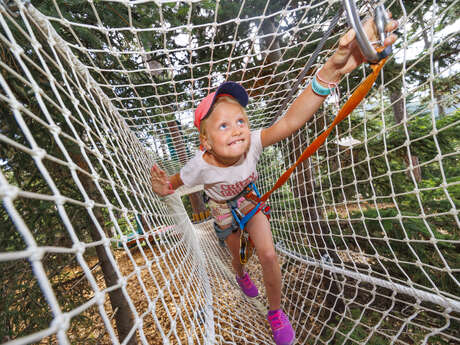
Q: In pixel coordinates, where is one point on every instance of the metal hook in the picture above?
(381, 20)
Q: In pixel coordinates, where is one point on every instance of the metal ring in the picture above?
(365, 45)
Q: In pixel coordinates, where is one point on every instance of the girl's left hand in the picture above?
(348, 55)
(160, 181)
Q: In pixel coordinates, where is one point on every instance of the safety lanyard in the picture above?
(361, 91)
(251, 192)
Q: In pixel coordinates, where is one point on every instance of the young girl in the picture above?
(228, 164)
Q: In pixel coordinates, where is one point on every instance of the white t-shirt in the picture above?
(224, 183)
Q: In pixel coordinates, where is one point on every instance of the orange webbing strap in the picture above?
(356, 98)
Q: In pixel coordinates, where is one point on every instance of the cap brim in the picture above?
(235, 90)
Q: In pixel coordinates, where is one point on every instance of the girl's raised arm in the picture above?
(345, 59)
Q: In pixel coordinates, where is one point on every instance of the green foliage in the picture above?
(187, 205)
(372, 327)
(429, 139)
(384, 234)
(21, 292)
(437, 193)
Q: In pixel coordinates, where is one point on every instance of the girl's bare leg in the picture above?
(233, 244)
(259, 231)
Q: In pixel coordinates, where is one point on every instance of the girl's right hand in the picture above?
(160, 181)
(348, 55)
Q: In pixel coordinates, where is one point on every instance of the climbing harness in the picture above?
(239, 220)
(246, 244)
(242, 219)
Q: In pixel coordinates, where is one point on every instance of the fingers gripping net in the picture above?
(94, 93)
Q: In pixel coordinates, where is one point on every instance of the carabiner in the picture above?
(246, 247)
(381, 20)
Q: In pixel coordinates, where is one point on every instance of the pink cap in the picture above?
(229, 88)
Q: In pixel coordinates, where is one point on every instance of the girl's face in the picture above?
(227, 135)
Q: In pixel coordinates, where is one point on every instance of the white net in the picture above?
(92, 93)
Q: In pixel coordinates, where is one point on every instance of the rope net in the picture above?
(93, 93)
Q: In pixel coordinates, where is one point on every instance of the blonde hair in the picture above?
(219, 100)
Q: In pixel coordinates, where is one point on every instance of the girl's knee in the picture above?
(268, 257)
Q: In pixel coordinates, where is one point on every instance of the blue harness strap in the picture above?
(242, 219)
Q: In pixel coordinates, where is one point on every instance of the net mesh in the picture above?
(93, 93)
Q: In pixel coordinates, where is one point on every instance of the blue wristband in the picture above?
(319, 89)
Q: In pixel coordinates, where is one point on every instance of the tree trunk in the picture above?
(270, 41)
(304, 188)
(427, 43)
(177, 140)
(437, 95)
(123, 317)
(304, 192)
(398, 106)
(269, 75)
(421, 22)
(198, 206)
(399, 115)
